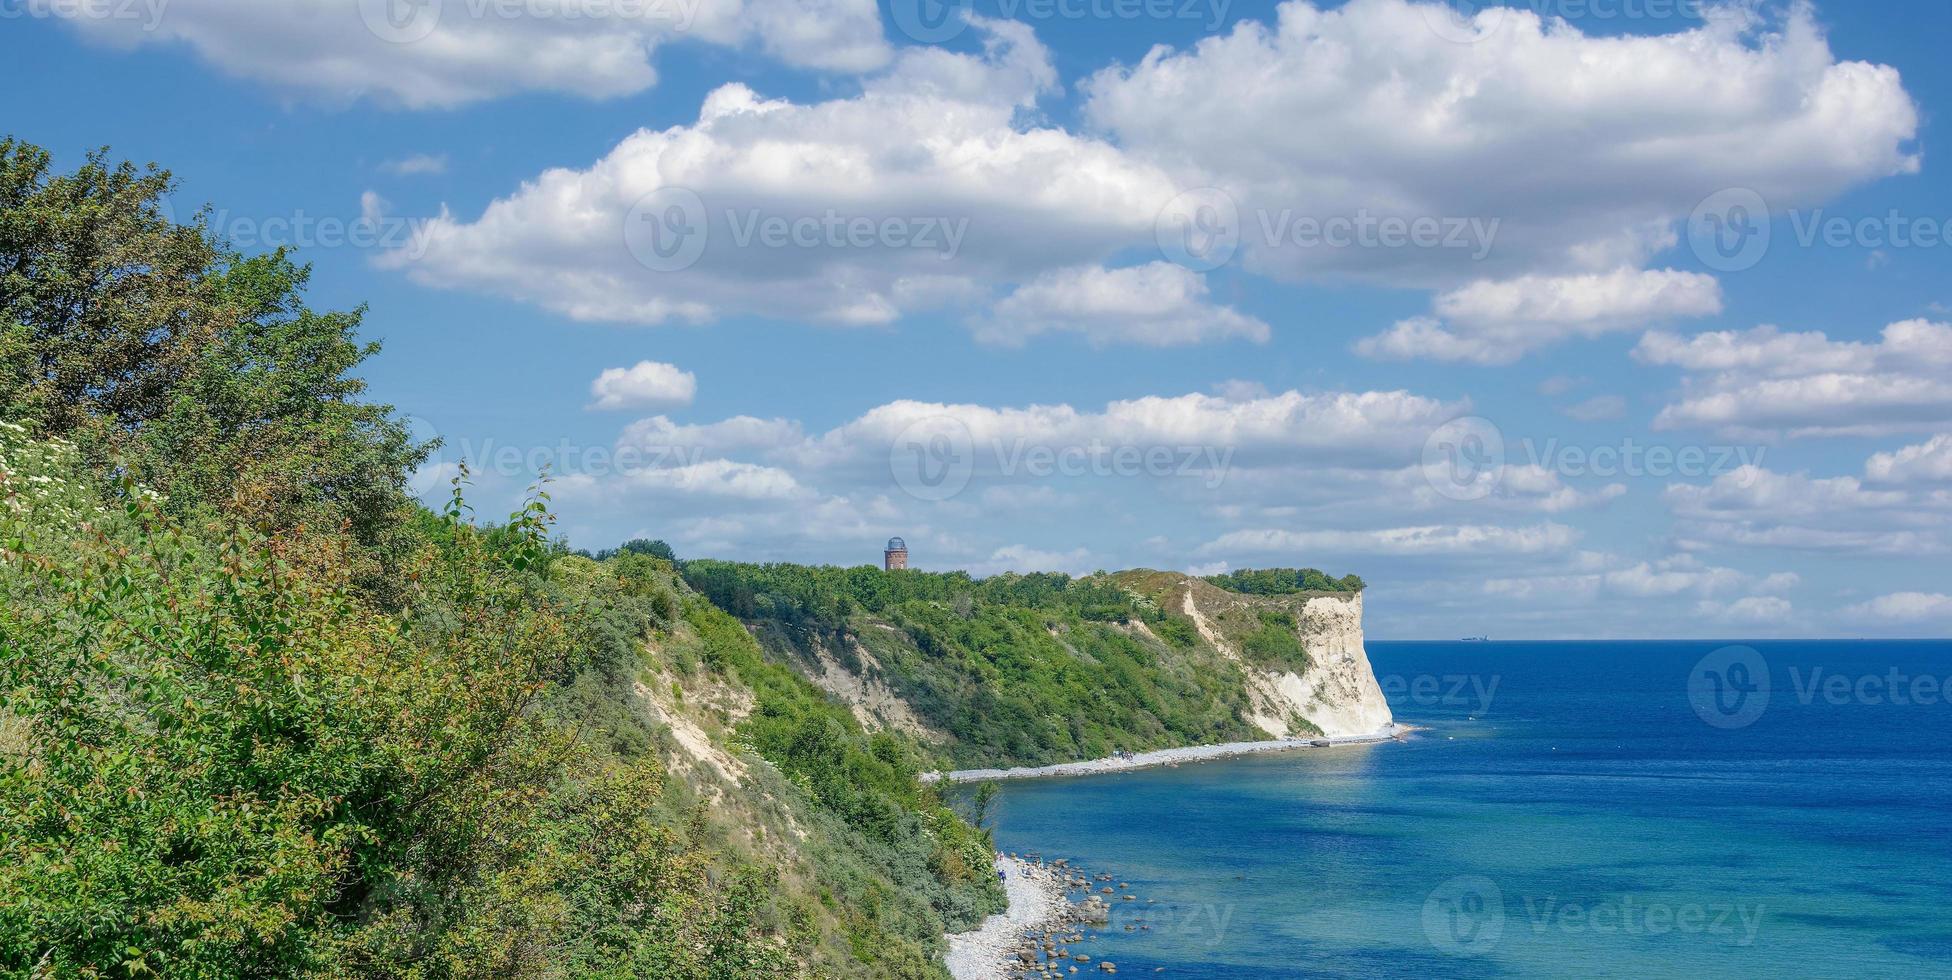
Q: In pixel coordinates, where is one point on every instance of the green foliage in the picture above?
(262, 716)
(1276, 643)
(169, 358)
(639, 546)
(1284, 581)
(102, 299)
(1179, 632)
(982, 800)
(223, 761)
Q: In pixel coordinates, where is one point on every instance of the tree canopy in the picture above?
(169, 358)
(1284, 581)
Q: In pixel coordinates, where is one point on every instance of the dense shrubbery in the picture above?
(261, 715)
(222, 760)
(1018, 668)
(1284, 581)
(1275, 643)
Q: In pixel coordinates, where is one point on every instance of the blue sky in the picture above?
(979, 321)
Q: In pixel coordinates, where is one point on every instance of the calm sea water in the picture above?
(1571, 811)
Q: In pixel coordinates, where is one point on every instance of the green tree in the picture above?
(639, 546)
(983, 799)
(172, 359)
(103, 300)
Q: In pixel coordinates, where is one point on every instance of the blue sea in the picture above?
(1573, 809)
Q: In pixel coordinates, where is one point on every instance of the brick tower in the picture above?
(896, 556)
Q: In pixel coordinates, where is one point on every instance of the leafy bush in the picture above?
(222, 760)
(1179, 632)
(1276, 643)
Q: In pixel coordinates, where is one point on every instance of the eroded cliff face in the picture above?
(1336, 694)
(1022, 675)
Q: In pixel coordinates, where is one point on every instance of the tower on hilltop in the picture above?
(896, 556)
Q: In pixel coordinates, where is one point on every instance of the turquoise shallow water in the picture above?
(1568, 813)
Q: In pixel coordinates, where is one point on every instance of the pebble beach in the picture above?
(1166, 757)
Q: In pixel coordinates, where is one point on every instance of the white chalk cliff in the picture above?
(1337, 694)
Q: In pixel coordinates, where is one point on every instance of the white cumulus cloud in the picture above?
(1906, 607)
(1928, 462)
(445, 54)
(1766, 382)
(917, 192)
(1156, 305)
(643, 384)
(1364, 111)
(1388, 134)
(1754, 507)
(1468, 539)
(1498, 321)
(1757, 609)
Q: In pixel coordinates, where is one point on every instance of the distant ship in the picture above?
(1474, 639)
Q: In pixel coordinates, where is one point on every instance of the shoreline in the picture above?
(1037, 904)
(1166, 757)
